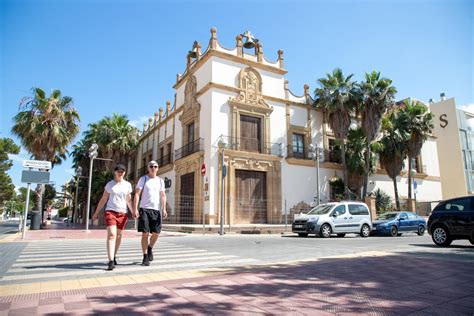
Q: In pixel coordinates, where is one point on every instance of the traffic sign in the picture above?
(37, 164)
(203, 169)
(33, 176)
(415, 185)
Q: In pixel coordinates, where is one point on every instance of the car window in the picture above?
(458, 205)
(403, 215)
(339, 210)
(388, 216)
(358, 209)
(321, 209)
(411, 216)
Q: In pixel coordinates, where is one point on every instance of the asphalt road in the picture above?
(8, 226)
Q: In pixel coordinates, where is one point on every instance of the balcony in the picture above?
(252, 145)
(189, 149)
(165, 160)
(333, 155)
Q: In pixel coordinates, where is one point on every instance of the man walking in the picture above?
(150, 195)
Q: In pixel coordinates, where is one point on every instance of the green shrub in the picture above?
(383, 201)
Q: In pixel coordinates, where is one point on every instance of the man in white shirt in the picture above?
(150, 195)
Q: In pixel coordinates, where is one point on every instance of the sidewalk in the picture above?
(387, 284)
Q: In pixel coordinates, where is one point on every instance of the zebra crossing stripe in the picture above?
(120, 270)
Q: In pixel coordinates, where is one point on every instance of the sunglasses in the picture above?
(120, 171)
(153, 167)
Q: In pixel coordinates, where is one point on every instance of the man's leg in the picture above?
(145, 242)
(111, 239)
(153, 239)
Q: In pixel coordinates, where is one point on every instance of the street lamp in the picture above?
(222, 145)
(92, 155)
(314, 153)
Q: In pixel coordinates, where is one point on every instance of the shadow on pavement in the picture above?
(394, 284)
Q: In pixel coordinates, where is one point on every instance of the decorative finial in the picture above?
(161, 112)
(280, 57)
(286, 84)
(156, 117)
(213, 40)
(306, 89)
(259, 51)
(239, 45)
(168, 106)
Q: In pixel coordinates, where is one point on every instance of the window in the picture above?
(190, 134)
(411, 216)
(403, 216)
(334, 151)
(358, 209)
(298, 145)
(339, 210)
(458, 205)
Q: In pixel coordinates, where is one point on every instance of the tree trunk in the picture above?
(344, 171)
(395, 190)
(39, 200)
(409, 177)
(366, 171)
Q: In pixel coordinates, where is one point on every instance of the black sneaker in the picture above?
(150, 254)
(146, 261)
(111, 265)
(115, 261)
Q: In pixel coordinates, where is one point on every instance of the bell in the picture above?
(249, 43)
(192, 54)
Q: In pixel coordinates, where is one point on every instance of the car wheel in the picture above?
(325, 231)
(394, 231)
(341, 235)
(421, 231)
(441, 236)
(365, 231)
(303, 234)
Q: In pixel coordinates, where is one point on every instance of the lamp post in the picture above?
(414, 185)
(314, 154)
(92, 155)
(222, 144)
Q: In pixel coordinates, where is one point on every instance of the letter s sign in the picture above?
(444, 121)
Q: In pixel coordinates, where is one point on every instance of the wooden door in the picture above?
(251, 197)
(186, 205)
(250, 134)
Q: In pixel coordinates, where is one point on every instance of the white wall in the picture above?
(206, 125)
(278, 132)
(427, 190)
(429, 157)
(298, 116)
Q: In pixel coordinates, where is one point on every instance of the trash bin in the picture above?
(35, 221)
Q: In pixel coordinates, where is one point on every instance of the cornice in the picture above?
(198, 64)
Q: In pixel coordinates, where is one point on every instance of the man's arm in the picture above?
(163, 204)
(136, 200)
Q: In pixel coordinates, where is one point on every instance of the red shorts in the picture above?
(113, 218)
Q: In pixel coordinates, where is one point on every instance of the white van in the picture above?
(334, 218)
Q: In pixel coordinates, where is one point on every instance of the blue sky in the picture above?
(123, 56)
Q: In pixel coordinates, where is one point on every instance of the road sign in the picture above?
(203, 169)
(37, 164)
(33, 176)
(415, 185)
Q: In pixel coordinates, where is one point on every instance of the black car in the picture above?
(452, 219)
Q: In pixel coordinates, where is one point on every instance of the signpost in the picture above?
(32, 176)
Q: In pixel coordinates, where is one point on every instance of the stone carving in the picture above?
(251, 88)
(190, 90)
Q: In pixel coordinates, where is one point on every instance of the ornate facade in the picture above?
(234, 114)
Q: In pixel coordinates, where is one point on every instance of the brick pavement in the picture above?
(398, 284)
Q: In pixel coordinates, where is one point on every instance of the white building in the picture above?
(239, 101)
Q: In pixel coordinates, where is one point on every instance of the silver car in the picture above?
(334, 218)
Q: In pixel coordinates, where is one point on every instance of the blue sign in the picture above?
(415, 185)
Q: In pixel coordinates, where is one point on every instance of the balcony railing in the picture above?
(189, 149)
(165, 160)
(333, 155)
(252, 145)
(293, 153)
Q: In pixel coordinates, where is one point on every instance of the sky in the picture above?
(123, 56)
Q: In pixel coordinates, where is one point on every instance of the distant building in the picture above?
(454, 129)
(236, 103)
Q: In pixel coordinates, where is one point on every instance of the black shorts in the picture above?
(149, 221)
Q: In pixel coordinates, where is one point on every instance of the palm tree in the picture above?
(377, 95)
(391, 148)
(355, 159)
(418, 122)
(46, 126)
(337, 98)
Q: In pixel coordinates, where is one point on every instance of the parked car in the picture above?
(334, 218)
(452, 219)
(396, 223)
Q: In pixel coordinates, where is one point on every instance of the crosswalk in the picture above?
(75, 259)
